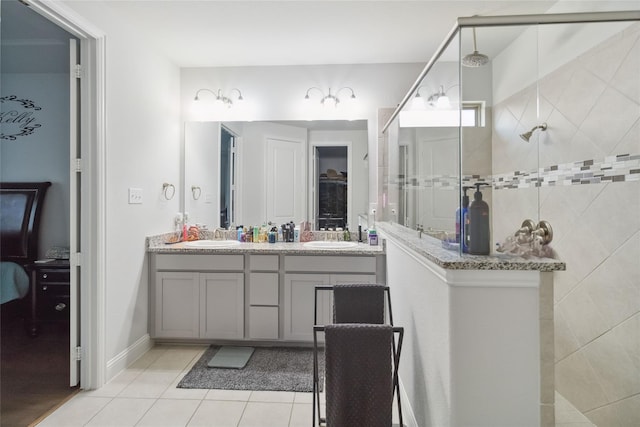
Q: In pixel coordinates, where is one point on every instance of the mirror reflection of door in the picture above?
(332, 188)
(227, 177)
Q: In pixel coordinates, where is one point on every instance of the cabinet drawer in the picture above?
(52, 289)
(263, 323)
(263, 262)
(191, 262)
(53, 275)
(330, 264)
(53, 308)
(263, 289)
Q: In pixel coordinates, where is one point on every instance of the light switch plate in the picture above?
(135, 196)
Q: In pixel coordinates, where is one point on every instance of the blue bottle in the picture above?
(462, 220)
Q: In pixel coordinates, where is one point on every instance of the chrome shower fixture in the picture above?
(475, 59)
(527, 135)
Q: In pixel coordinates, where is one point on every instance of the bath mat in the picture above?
(231, 357)
(269, 368)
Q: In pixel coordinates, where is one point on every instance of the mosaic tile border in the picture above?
(618, 168)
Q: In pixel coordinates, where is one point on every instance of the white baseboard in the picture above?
(408, 417)
(128, 356)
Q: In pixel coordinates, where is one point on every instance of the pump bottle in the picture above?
(462, 227)
(478, 215)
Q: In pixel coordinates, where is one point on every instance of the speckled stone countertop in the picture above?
(156, 244)
(433, 250)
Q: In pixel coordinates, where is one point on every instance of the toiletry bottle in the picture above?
(463, 217)
(359, 233)
(478, 214)
(347, 235)
(239, 231)
(373, 237)
(296, 234)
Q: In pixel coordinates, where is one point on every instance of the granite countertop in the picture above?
(433, 250)
(156, 244)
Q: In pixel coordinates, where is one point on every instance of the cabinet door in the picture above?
(222, 305)
(299, 297)
(177, 305)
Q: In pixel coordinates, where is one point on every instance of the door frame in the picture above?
(93, 187)
(313, 178)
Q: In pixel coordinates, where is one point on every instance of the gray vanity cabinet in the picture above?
(197, 296)
(303, 274)
(177, 305)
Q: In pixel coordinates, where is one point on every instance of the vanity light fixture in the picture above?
(330, 100)
(527, 135)
(440, 100)
(220, 98)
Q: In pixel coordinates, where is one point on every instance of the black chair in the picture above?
(361, 373)
(358, 303)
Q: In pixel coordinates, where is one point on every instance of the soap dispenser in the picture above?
(478, 215)
(462, 222)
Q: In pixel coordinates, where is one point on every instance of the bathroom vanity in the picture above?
(249, 292)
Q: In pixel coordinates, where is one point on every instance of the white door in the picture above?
(75, 199)
(285, 180)
(437, 172)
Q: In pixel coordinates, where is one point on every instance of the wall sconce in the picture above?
(330, 100)
(439, 100)
(220, 98)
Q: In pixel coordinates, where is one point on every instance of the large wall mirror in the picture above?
(251, 173)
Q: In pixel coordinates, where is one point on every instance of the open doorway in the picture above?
(36, 67)
(332, 177)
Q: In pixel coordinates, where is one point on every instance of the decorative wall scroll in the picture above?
(18, 117)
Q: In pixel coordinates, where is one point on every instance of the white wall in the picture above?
(143, 151)
(43, 155)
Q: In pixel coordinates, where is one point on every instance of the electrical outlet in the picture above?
(135, 196)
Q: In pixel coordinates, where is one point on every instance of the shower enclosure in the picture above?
(550, 121)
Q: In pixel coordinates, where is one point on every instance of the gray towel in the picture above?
(358, 303)
(358, 373)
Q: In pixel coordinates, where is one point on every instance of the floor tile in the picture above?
(169, 412)
(237, 395)
(303, 398)
(76, 412)
(117, 384)
(173, 392)
(121, 412)
(150, 384)
(216, 413)
(260, 414)
(272, 396)
(301, 415)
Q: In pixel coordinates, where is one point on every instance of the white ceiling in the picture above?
(210, 33)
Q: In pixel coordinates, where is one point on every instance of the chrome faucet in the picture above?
(420, 229)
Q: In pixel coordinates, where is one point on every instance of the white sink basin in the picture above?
(320, 244)
(212, 243)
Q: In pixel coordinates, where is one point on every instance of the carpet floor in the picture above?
(34, 371)
(269, 368)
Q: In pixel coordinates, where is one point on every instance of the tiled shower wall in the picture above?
(586, 185)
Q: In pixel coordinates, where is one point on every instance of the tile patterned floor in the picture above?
(145, 394)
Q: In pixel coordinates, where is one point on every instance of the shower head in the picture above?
(475, 59)
(527, 135)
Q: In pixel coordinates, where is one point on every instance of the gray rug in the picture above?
(270, 368)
